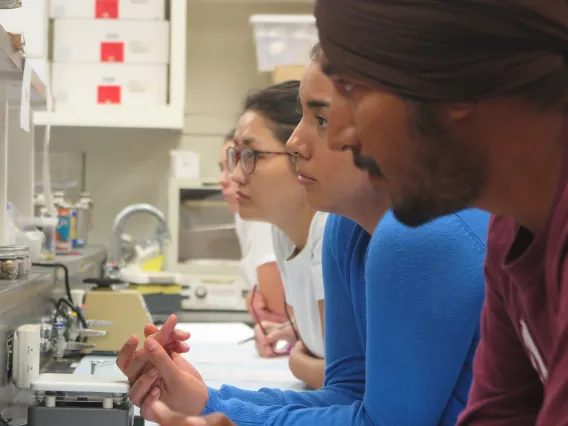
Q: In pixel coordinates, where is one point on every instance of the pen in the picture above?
(280, 327)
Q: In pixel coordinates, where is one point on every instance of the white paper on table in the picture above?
(237, 373)
(215, 353)
(252, 373)
(216, 332)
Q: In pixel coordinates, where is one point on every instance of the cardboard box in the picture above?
(120, 84)
(96, 41)
(16, 40)
(31, 24)
(153, 10)
(287, 72)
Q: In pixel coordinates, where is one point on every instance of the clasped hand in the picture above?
(157, 372)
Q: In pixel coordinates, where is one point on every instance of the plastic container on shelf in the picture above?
(283, 40)
(48, 226)
(34, 239)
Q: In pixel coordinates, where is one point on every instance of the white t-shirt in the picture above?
(257, 248)
(302, 277)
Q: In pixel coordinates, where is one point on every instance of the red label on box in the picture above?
(109, 94)
(112, 51)
(106, 9)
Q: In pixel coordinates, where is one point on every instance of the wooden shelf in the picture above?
(12, 63)
(115, 116)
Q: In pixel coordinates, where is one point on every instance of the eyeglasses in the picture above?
(247, 157)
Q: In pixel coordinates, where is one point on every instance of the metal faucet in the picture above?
(125, 214)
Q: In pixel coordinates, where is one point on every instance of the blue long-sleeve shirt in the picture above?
(419, 294)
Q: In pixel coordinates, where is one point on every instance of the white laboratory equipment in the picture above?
(204, 247)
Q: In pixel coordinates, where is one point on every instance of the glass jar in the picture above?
(24, 261)
(8, 263)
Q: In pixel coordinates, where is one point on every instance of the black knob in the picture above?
(139, 421)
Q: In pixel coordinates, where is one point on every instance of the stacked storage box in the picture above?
(110, 52)
(31, 22)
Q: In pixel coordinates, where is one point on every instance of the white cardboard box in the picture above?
(120, 84)
(109, 9)
(95, 41)
(32, 21)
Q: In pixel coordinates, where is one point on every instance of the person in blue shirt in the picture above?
(402, 308)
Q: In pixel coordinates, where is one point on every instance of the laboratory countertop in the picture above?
(214, 341)
(42, 279)
(82, 261)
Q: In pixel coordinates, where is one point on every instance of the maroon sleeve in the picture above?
(555, 408)
(506, 390)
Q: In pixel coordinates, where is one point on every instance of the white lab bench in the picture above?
(215, 352)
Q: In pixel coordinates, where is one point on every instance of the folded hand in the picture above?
(129, 360)
(171, 379)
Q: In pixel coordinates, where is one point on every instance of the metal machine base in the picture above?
(80, 414)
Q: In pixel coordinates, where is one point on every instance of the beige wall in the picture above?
(131, 166)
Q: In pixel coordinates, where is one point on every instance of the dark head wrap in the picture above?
(446, 50)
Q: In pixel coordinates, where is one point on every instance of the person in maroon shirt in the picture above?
(457, 104)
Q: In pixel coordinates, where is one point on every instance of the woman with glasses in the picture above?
(265, 301)
(268, 190)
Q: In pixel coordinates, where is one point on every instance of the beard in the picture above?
(447, 174)
(416, 211)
